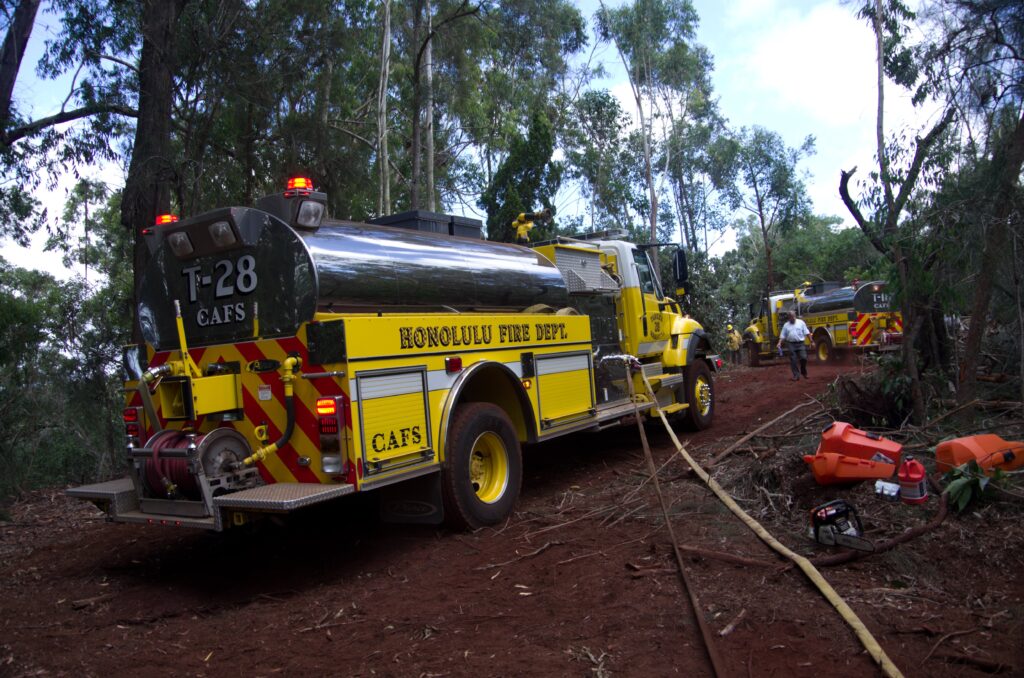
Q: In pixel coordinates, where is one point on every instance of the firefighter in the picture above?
(734, 344)
(794, 333)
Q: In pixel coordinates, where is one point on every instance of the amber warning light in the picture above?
(300, 182)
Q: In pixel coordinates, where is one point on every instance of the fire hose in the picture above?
(869, 642)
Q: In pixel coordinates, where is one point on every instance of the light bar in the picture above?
(164, 219)
(300, 182)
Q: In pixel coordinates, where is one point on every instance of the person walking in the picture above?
(734, 344)
(794, 333)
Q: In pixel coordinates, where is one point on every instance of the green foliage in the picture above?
(967, 484)
(524, 182)
(60, 391)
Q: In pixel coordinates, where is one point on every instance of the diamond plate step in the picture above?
(282, 496)
(120, 493)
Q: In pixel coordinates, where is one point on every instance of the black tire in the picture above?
(483, 468)
(824, 350)
(753, 353)
(699, 395)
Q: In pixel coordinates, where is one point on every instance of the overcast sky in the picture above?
(799, 67)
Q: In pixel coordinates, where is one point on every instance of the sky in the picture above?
(798, 67)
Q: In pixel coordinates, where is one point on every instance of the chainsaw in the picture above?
(837, 524)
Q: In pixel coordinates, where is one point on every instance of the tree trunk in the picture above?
(428, 108)
(384, 173)
(417, 108)
(147, 186)
(18, 33)
(995, 239)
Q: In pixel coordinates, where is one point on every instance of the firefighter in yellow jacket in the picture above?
(734, 344)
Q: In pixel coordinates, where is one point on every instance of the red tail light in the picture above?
(327, 411)
(326, 406)
(133, 430)
(130, 414)
(853, 329)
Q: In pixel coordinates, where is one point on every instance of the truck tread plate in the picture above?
(603, 414)
(120, 492)
(282, 496)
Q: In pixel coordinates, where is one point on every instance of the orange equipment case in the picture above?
(989, 450)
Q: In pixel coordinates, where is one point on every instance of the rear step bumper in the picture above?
(120, 500)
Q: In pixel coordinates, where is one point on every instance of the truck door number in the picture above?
(227, 280)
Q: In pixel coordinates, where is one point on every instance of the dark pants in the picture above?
(797, 358)
(735, 356)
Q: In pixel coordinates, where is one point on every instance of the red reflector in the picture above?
(718, 362)
(165, 219)
(326, 406)
(130, 414)
(132, 429)
(300, 182)
(453, 364)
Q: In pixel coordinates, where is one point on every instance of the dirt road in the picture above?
(580, 581)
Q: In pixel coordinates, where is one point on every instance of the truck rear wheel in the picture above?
(826, 353)
(483, 470)
(700, 396)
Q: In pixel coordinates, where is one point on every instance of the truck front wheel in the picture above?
(484, 467)
(700, 396)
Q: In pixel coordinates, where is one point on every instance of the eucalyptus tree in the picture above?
(667, 72)
(771, 187)
(599, 155)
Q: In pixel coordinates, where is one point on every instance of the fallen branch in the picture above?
(531, 554)
(731, 626)
(951, 634)
(724, 453)
(983, 664)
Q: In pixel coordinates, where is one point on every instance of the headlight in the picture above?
(180, 244)
(310, 214)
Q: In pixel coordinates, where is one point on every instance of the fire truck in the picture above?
(843, 319)
(291, 359)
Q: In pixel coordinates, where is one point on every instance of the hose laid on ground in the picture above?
(845, 611)
(709, 645)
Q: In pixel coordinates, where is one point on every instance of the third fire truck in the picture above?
(843, 319)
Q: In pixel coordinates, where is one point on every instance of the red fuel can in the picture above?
(913, 484)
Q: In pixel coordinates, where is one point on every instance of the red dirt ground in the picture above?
(579, 582)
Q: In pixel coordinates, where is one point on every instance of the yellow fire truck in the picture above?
(842, 319)
(292, 359)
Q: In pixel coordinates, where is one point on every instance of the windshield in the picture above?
(648, 283)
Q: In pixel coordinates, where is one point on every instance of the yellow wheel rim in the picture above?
(702, 395)
(488, 467)
(822, 352)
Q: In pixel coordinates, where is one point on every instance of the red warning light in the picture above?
(164, 219)
(300, 183)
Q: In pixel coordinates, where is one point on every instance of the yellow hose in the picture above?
(848, 615)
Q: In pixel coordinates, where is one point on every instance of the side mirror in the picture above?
(679, 270)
